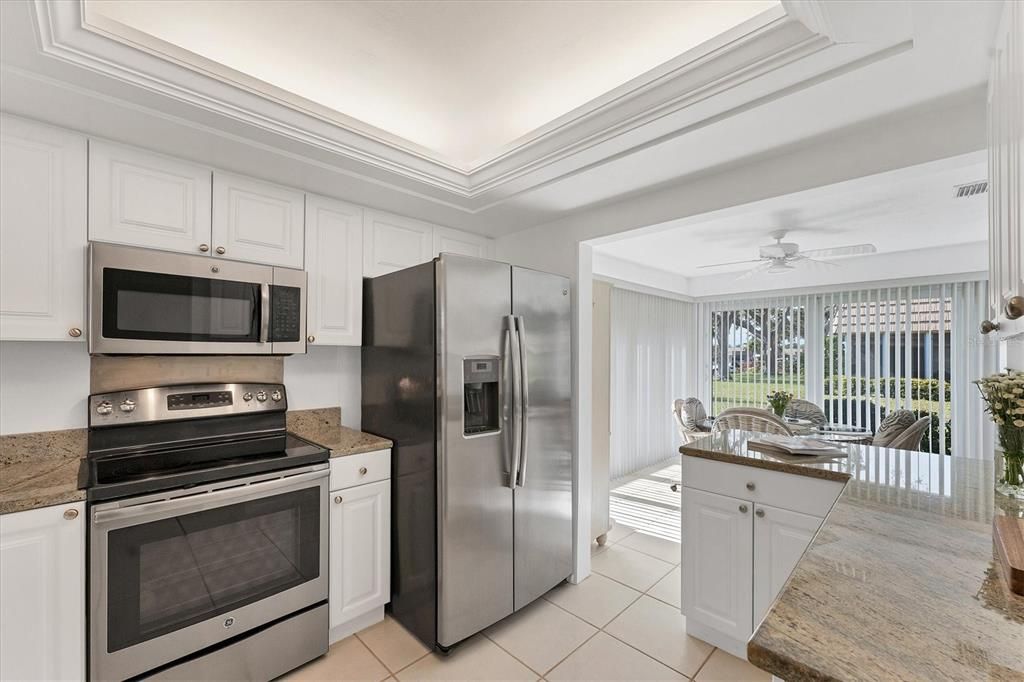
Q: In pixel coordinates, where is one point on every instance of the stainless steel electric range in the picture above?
(208, 535)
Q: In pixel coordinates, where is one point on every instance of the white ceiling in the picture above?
(900, 212)
(461, 79)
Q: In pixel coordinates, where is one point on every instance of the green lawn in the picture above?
(732, 393)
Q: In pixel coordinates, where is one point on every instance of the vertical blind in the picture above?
(649, 336)
(859, 354)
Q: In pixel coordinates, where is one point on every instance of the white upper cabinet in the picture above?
(334, 264)
(447, 240)
(392, 242)
(257, 221)
(42, 232)
(145, 199)
(42, 593)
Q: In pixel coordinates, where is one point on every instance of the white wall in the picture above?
(44, 385)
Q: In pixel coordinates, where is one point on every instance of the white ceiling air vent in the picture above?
(970, 189)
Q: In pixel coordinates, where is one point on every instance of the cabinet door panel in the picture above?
(392, 242)
(360, 550)
(145, 199)
(717, 561)
(42, 231)
(334, 263)
(447, 240)
(257, 221)
(42, 594)
(780, 538)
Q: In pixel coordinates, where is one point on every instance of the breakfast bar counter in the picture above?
(899, 581)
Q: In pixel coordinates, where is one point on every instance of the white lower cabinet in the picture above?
(738, 552)
(360, 582)
(42, 594)
(780, 538)
(718, 549)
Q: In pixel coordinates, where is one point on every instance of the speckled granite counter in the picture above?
(323, 426)
(40, 469)
(898, 584)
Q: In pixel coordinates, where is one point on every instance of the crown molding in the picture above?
(769, 54)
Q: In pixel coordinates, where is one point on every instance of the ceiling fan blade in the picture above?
(735, 262)
(756, 270)
(852, 250)
(801, 258)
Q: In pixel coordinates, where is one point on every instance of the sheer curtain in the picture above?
(649, 336)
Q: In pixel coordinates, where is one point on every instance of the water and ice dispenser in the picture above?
(481, 406)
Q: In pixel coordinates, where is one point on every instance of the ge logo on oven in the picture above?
(229, 621)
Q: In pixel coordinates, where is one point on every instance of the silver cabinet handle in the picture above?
(759, 513)
(221, 250)
(204, 247)
(74, 332)
(338, 499)
(310, 339)
(743, 509)
(751, 486)
(71, 514)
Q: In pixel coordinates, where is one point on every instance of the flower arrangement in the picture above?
(1003, 394)
(778, 400)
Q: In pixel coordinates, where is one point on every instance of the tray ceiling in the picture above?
(459, 82)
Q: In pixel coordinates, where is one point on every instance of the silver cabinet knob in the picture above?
(204, 247)
(743, 509)
(988, 326)
(1014, 307)
(74, 332)
(338, 499)
(128, 405)
(751, 486)
(759, 513)
(104, 407)
(362, 471)
(221, 250)
(310, 339)
(70, 514)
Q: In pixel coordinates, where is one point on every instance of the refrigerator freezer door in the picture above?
(474, 506)
(543, 500)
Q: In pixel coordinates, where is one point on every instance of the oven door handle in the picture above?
(201, 501)
(264, 312)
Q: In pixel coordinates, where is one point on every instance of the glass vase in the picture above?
(1010, 476)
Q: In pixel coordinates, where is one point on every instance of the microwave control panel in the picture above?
(286, 313)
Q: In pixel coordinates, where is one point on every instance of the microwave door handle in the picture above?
(264, 312)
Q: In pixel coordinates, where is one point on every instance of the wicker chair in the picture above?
(750, 419)
(689, 413)
(805, 409)
(910, 437)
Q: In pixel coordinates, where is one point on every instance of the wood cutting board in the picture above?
(1008, 538)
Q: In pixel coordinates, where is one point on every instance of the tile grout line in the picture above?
(713, 650)
(373, 653)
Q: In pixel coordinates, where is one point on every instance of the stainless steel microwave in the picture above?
(148, 302)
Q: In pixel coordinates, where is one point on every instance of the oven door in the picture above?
(143, 301)
(175, 572)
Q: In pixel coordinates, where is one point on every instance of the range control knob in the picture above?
(104, 407)
(247, 396)
(276, 396)
(128, 405)
(261, 396)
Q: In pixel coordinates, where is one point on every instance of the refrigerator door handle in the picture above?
(523, 397)
(514, 351)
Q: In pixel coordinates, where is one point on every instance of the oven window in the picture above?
(168, 574)
(156, 306)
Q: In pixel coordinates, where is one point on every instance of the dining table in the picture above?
(833, 432)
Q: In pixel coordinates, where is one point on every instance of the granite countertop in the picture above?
(899, 582)
(323, 426)
(40, 469)
(731, 446)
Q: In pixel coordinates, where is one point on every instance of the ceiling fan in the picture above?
(782, 257)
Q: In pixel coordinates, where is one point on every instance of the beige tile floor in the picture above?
(621, 623)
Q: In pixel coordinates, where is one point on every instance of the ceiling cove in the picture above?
(784, 48)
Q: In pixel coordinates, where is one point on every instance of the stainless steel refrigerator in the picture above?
(467, 366)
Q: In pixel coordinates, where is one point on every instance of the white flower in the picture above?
(1018, 422)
